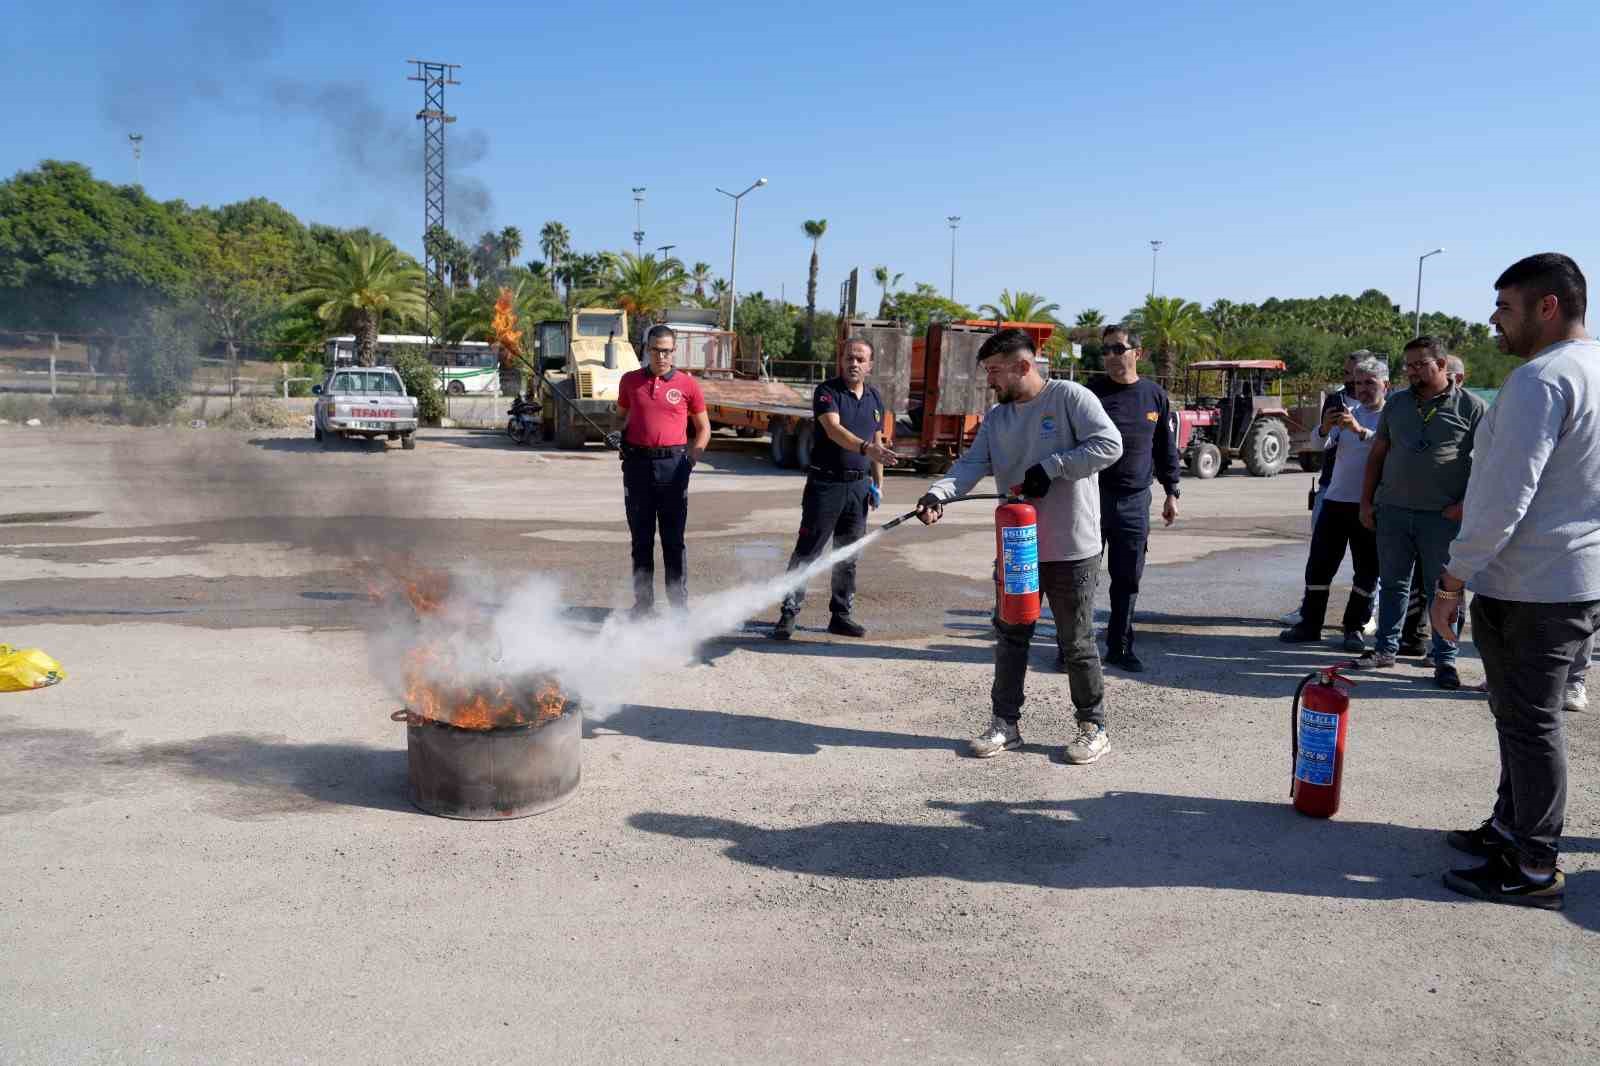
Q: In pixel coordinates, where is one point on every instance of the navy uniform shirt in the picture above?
(863, 417)
(1143, 415)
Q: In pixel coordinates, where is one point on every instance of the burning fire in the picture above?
(440, 688)
(505, 331)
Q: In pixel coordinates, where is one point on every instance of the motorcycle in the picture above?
(523, 425)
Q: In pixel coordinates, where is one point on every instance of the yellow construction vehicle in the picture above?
(582, 360)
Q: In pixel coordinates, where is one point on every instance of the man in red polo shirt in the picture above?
(659, 404)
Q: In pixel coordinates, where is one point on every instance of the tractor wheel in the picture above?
(1266, 447)
(569, 435)
(782, 442)
(1205, 461)
(1310, 462)
(802, 445)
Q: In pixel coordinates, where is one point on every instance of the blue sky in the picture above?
(1289, 149)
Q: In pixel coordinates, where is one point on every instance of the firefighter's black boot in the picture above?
(1312, 611)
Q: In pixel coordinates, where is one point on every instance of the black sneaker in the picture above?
(1446, 677)
(785, 627)
(845, 626)
(1300, 633)
(1126, 660)
(1501, 880)
(1485, 841)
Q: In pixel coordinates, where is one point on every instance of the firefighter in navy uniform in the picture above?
(843, 482)
(1143, 414)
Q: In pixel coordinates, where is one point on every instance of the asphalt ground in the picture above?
(777, 851)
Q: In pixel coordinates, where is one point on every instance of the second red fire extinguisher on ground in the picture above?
(1016, 537)
(1319, 727)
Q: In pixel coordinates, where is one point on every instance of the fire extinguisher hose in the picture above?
(1294, 727)
(954, 499)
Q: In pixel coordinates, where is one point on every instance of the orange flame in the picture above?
(505, 331)
(438, 688)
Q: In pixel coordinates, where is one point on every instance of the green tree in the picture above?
(360, 283)
(813, 229)
(471, 314)
(241, 279)
(1174, 330)
(161, 357)
(642, 286)
(1022, 307)
(1090, 318)
(510, 245)
(768, 324)
(923, 305)
(555, 242)
(886, 281)
(700, 276)
(422, 381)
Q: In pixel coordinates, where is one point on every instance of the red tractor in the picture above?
(1233, 409)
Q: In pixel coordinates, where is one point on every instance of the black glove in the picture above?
(1035, 483)
(930, 502)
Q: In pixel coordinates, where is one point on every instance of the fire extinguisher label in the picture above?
(1319, 735)
(1019, 547)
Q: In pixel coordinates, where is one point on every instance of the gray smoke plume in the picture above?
(377, 145)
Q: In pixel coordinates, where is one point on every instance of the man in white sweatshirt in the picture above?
(1051, 438)
(1529, 547)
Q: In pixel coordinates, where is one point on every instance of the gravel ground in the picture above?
(777, 852)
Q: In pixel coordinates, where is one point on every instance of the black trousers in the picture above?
(1528, 650)
(1070, 589)
(656, 496)
(1339, 528)
(836, 511)
(1125, 538)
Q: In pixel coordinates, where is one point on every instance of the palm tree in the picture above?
(701, 276)
(642, 285)
(886, 281)
(1023, 307)
(1174, 329)
(510, 245)
(357, 284)
(555, 242)
(1090, 318)
(814, 229)
(471, 314)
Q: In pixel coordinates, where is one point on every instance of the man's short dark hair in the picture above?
(1549, 274)
(871, 351)
(1127, 331)
(662, 330)
(1007, 342)
(1432, 345)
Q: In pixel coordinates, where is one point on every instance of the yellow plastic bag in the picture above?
(22, 669)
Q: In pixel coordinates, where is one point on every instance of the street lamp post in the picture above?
(733, 258)
(1417, 322)
(665, 248)
(954, 220)
(638, 221)
(1155, 246)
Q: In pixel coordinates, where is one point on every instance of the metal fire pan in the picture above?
(493, 774)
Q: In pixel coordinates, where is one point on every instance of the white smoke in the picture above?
(529, 633)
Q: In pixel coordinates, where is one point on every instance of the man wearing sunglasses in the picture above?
(1142, 413)
(660, 404)
(1411, 494)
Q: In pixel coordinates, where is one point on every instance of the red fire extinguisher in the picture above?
(1016, 539)
(1319, 724)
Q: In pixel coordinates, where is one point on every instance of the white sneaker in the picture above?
(1090, 743)
(1000, 736)
(1577, 697)
(1371, 628)
(1291, 618)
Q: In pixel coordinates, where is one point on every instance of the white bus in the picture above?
(465, 366)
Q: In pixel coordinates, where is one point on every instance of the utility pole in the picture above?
(1417, 322)
(434, 77)
(136, 142)
(1155, 247)
(638, 221)
(664, 249)
(733, 258)
(955, 221)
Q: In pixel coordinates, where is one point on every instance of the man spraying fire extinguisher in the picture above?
(1049, 438)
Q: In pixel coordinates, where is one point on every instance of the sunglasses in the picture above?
(1117, 349)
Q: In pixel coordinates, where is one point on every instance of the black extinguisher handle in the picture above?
(1294, 727)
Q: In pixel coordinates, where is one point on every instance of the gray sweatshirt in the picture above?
(1065, 429)
(1530, 527)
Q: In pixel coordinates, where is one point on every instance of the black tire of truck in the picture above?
(408, 441)
(1266, 447)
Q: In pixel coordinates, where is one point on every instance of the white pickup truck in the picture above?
(364, 401)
